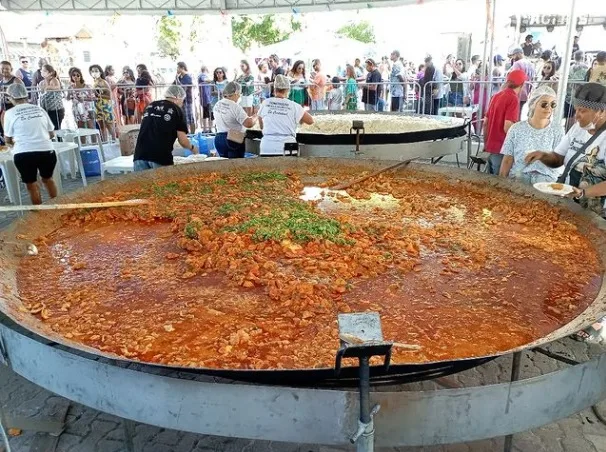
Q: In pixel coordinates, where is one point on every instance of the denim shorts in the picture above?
(142, 165)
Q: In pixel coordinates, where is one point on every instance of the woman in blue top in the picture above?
(538, 133)
(204, 84)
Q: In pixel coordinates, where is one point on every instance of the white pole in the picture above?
(484, 55)
(572, 22)
(491, 58)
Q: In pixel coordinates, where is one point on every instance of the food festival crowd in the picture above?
(280, 95)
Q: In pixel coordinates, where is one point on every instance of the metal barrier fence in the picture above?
(462, 98)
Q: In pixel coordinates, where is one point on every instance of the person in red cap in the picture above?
(503, 112)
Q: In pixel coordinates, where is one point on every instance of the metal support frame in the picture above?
(308, 415)
(357, 127)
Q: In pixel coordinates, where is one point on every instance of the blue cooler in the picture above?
(206, 143)
(91, 162)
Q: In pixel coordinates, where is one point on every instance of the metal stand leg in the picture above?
(129, 433)
(515, 376)
(365, 329)
(365, 436)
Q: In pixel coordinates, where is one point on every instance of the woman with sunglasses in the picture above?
(549, 76)
(219, 82)
(82, 97)
(298, 83)
(51, 95)
(104, 108)
(539, 132)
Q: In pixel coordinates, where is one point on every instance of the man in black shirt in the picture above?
(372, 90)
(163, 122)
(276, 69)
(528, 46)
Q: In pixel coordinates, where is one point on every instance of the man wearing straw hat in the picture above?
(29, 129)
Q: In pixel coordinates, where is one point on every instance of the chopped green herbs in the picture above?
(191, 229)
(293, 220)
(269, 176)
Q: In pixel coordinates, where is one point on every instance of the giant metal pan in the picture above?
(454, 128)
(33, 225)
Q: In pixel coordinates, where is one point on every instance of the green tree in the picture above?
(168, 37)
(195, 32)
(361, 31)
(262, 30)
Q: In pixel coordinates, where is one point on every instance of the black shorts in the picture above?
(29, 163)
(207, 112)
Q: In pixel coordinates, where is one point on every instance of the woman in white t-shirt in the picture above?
(279, 118)
(232, 120)
(29, 129)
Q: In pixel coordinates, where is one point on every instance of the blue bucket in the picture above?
(91, 162)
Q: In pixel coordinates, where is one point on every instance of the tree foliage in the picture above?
(360, 31)
(168, 37)
(263, 30)
(195, 35)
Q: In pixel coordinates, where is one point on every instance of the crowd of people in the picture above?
(100, 98)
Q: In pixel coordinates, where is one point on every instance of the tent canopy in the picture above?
(323, 45)
(193, 6)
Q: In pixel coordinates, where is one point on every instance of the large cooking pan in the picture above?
(453, 128)
(33, 225)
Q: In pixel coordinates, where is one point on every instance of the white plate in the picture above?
(548, 188)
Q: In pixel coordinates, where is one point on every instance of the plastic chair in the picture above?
(75, 135)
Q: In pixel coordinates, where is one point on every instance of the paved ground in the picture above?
(88, 430)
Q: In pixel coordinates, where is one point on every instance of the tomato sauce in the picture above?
(459, 270)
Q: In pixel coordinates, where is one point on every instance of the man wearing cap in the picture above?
(397, 80)
(163, 122)
(522, 64)
(29, 129)
(372, 89)
(503, 112)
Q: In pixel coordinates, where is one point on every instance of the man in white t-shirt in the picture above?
(279, 118)
(29, 130)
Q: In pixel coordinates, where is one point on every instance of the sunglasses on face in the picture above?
(24, 62)
(553, 105)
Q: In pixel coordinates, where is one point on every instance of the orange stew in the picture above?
(236, 271)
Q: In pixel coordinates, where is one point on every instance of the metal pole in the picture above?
(365, 442)
(572, 20)
(491, 59)
(515, 376)
(486, 36)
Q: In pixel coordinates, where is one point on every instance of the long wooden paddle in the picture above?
(82, 205)
(345, 185)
